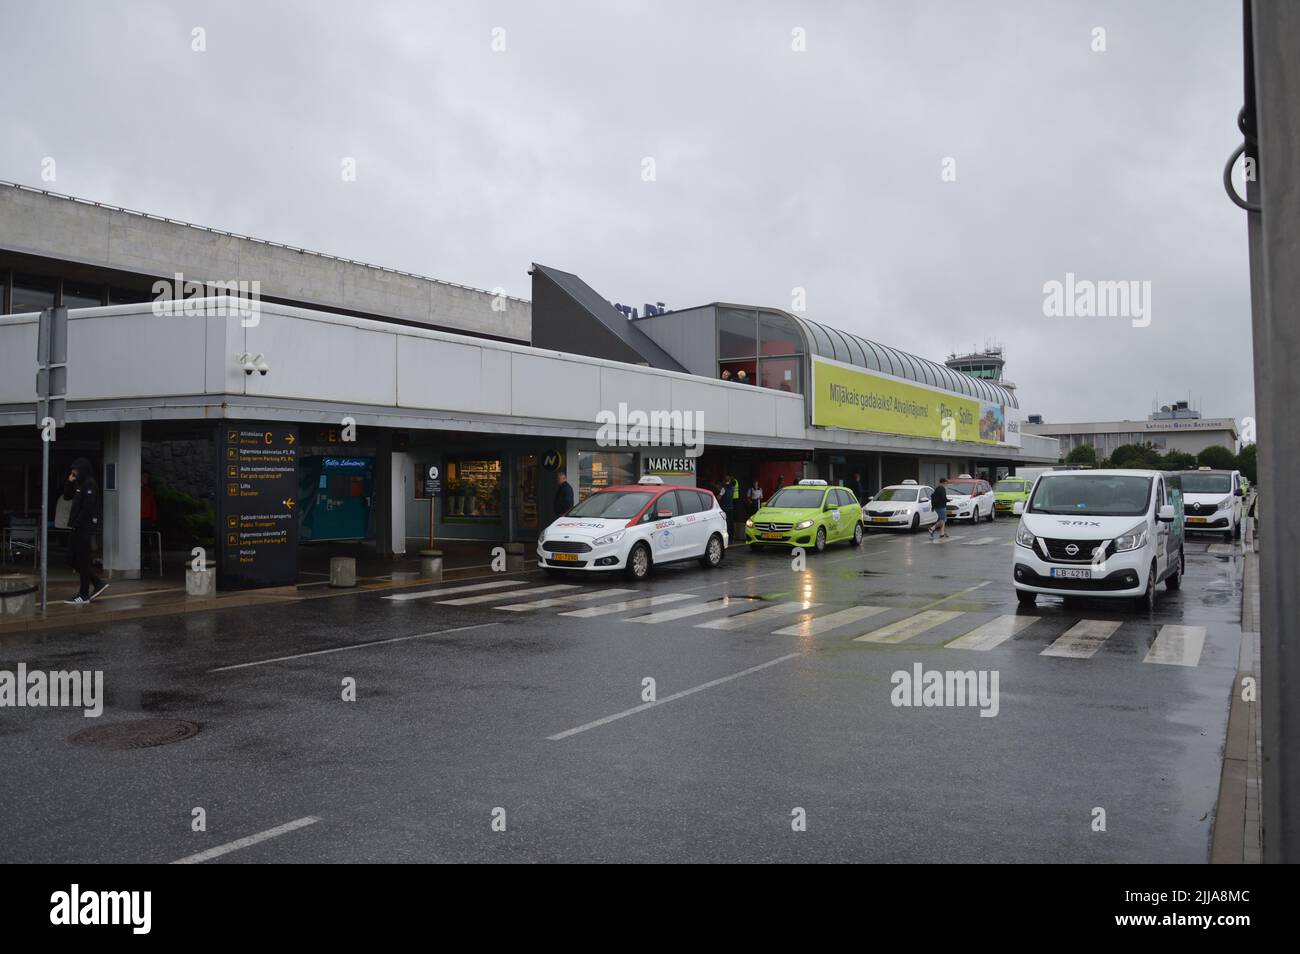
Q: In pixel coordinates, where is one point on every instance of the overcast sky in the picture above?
(774, 169)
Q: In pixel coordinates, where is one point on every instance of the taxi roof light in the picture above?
(909, 482)
(812, 483)
(648, 479)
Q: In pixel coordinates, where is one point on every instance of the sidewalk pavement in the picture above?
(152, 595)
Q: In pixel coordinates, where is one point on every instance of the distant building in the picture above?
(1173, 427)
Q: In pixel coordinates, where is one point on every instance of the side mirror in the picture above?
(1166, 514)
(869, 499)
(1239, 492)
(1019, 508)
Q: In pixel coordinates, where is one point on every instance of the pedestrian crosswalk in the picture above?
(1052, 636)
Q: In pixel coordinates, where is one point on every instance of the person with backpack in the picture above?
(82, 489)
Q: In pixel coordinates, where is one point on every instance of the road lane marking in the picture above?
(993, 633)
(980, 542)
(618, 607)
(430, 594)
(756, 616)
(666, 699)
(489, 597)
(1082, 640)
(1177, 646)
(909, 627)
(343, 649)
(681, 612)
(260, 837)
(953, 596)
(560, 600)
(820, 624)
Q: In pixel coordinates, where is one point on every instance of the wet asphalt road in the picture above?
(447, 728)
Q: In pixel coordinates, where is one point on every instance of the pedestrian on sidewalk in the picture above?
(83, 491)
(563, 502)
(755, 494)
(939, 501)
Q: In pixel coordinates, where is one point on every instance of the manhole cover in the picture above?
(136, 734)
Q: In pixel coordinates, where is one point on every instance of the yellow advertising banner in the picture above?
(860, 400)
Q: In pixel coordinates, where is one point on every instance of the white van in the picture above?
(1212, 500)
(1102, 533)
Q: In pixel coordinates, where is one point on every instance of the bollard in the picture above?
(515, 557)
(201, 582)
(431, 564)
(343, 572)
(17, 596)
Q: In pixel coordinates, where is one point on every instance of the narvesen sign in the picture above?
(848, 397)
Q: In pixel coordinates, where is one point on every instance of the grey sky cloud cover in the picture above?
(775, 169)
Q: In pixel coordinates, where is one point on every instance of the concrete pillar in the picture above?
(400, 492)
(121, 526)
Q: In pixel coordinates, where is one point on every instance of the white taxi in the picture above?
(900, 505)
(969, 498)
(1212, 500)
(635, 528)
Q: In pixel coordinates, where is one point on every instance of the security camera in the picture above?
(245, 361)
(260, 363)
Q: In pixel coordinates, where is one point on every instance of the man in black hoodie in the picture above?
(83, 491)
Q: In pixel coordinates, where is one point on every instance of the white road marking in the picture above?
(1177, 646)
(820, 624)
(993, 633)
(489, 597)
(909, 627)
(430, 594)
(261, 836)
(561, 600)
(666, 699)
(343, 649)
(980, 542)
(953, 596)
(681, 612)
(1082, 640)
(629, 604)
(1221, 548)
(756, 616)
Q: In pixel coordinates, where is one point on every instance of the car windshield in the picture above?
(612, 504)
(1207, 483)
(960, 486)
(1101, 495)
(797, 498)
(1011, 486)
(897, 493)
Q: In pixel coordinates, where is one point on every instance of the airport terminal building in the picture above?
(356, 403)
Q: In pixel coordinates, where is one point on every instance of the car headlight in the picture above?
(749, 522)
(803, 525)
(606, 540)
(1024, 538)
(1224, 504)
(1135, 539)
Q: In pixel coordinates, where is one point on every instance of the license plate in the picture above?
(880, 520)
(1197, 519)
(773, 536)
(1070, 573)
(568, 557)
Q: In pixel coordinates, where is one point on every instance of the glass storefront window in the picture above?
(600, 469)
(741, 372)
(778, 335)
(473, 491)
(737, 334)
(82, 296)
(780, 374)
(32, 294)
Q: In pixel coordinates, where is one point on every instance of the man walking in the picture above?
(563, 502)
(83, 491)
(855, 485)
(939, 501)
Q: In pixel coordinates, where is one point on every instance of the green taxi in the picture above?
(808, 514)
(1009, 491)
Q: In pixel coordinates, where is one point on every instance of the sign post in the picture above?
(432, 487)
(257, 516)
(51, 411)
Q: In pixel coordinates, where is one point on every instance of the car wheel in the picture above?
(638, 562)
(1147, 601)
(992, 513)
(1174, 580)
(1026, 599)
(857, 536)
(820, 545)
(713, 552)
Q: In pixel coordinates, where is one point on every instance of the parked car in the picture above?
(807, 514)
(901, 505)
(1212, 500)
(969, 498)
(635, 528)
(1010, 491)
